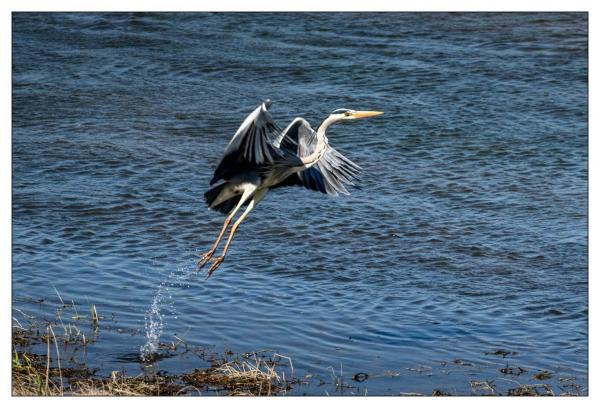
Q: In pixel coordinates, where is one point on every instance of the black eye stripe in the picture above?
(338, 111)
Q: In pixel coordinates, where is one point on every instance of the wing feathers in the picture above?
(260, 142)
(250, 146)
(330, 174)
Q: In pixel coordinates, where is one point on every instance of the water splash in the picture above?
(153, 319)
(153, 323)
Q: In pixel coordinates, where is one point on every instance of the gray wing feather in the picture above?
(294, 137)
(251, 146)
(330, 173)
(252, 138)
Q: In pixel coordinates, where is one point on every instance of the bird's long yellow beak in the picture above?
(365, 114)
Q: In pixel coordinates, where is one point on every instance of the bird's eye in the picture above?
(346, 113)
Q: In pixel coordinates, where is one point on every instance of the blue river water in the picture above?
(468, 235)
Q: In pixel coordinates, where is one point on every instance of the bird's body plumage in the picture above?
(261, 156)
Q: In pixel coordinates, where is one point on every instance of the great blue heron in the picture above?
(261, 156)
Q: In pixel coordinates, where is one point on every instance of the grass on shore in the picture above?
(43, 375)
(249, 374)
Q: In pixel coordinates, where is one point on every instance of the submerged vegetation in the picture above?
(44, 364)
(35, 374)
(249, 374)
(41, 366)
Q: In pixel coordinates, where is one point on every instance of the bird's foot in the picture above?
(205, 258)
(216, 263)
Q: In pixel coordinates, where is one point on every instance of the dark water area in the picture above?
(469, 234)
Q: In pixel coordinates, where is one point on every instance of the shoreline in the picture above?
(247, 374)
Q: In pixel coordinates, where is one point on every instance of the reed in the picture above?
(44, 375)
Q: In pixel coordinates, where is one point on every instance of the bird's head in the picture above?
(349, 114)
(340, 115)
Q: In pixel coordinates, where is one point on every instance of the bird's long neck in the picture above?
(323, 128)
(321, 145)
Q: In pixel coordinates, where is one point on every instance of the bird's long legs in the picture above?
(207, 255)
(218, 260)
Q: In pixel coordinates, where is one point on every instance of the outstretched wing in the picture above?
(329, 174)
(251, 146)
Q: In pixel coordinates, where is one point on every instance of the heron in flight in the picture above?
(261, 156)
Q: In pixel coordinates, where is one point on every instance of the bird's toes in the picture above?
(204, 259)
(216, 263)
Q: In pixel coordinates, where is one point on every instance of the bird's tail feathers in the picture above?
(211, 195)
(217, 199)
